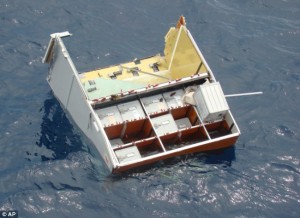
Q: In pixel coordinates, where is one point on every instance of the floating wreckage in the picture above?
(148, 109)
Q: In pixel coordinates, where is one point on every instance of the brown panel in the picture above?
(114, 131)
(149, 147)
(179, 113)
(137, 130)
(192, 115)
(134, 127)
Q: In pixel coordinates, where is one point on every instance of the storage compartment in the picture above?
(109, 116)
(128, 154)
(193, 135)
(149, 147)
(129, 132)
(186, 137)
(137, 130)
(211, 102)
(185, 117)
(114, 131)
(174, 98)
(170, 141)
(131, 111)
(164, 124)
(155, 104)
(218, 129)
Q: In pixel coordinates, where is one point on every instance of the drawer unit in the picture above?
(109, 116)
(128, 154)
(154, 104)
(131, 111)
(164, 124)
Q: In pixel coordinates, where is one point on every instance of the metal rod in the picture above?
(244, 94)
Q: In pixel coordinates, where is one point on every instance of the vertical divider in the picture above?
(148, 116)
(123, 129)
(206, 132)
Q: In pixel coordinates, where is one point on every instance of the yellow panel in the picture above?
(180, 60)
(170, 40)
(186, 61)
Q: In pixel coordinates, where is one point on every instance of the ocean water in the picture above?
(46, 169)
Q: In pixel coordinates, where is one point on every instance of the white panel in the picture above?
(61, 75)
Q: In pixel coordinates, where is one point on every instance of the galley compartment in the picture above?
(193, 135)
(149, 147)
(129, 132)
(137, 130)
(185, 117)
(223, 127)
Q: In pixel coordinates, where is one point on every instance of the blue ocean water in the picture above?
(46, 169)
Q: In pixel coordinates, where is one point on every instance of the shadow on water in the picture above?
(57, 133)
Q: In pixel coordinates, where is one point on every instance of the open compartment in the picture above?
(149, 147)
(129, 132)
(218, 129)
(193, 135)
(170, 141)
(185, 117)
(137, 130)
(183, 138)
(113, 133)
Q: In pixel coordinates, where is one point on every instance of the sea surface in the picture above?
(46, 168)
